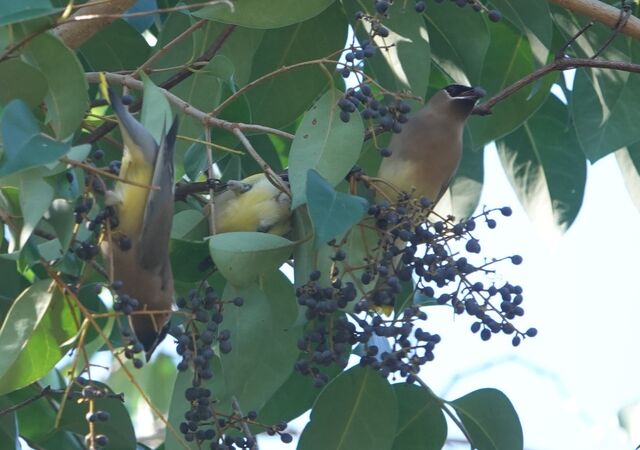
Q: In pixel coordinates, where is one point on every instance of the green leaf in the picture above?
(117, 47)
(14, 12)
(603, 102)
(325, 143)
(546, 166)
(61, 218)
(279, 100)
(450, 48)
(242, 256)
(186, 259)
(357, 410)
(46, 345)
(533, 19)
(21, 80)
(118, 428)
(67, 99)
(179, 405)
(332, 213)
(9, 426)
(490, 419)
(263, 339)
(629, 163)
(24, 316)
(36, 196)
(156, 112)
(253, 14)
(421, 422)
(405, 62)
(294, 397)
(511, 59)
(24, 145)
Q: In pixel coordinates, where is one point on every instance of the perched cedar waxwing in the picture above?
(426, 153)
(253, 204)
(139, 245)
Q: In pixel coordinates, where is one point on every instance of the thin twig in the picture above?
(273, 177)
(211, 206)
(186, 108)
(625, 13)
(559, 64)
(169, 83)
(165, 48)
(243, 424)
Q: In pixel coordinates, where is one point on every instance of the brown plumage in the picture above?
(145, 217)
(426, 153)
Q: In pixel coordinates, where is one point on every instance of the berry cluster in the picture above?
(329, 334)
(386, 117)
(195, 342)
(355, 56)
(88, 394)
(417, 251)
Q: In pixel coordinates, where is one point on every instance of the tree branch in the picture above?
(169, 83)
(603, 13)
(75, 33)
(559, 64)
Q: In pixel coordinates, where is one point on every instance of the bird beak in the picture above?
(473, 93)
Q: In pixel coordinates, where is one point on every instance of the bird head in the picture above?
(459, 99)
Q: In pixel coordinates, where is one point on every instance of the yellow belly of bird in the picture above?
(404, 177)
(135, 198)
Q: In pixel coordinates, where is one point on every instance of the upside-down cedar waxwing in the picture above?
(253, 204)
(426, 153)
(139, 245)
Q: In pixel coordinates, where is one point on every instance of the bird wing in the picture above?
(158, 214)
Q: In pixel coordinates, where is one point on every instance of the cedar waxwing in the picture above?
(426, 153)
(140, 247)
(253, 204)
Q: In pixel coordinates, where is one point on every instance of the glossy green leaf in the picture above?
(263, 339)
(156, 113)
(490, 420)
(296, 395)
(279, 100)
(9, 426)
(629, 163)
(404, 63)
(253, 14)
(118, 428)
(25, 315)
(117, 47)
(533, 19)
(511, 59)
(23, 81)
(421, 422)
(61, 218)
(357, 410)
(36, 196)
(242, 256)
(14, 12)
(325, 143)
(66, 99)
(174, 439)
(546, 166)
(449, 41)
(24, 145)
(332, 212)
(187, 260)
(46, 345)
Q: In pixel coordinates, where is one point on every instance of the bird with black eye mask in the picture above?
(426, 153)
